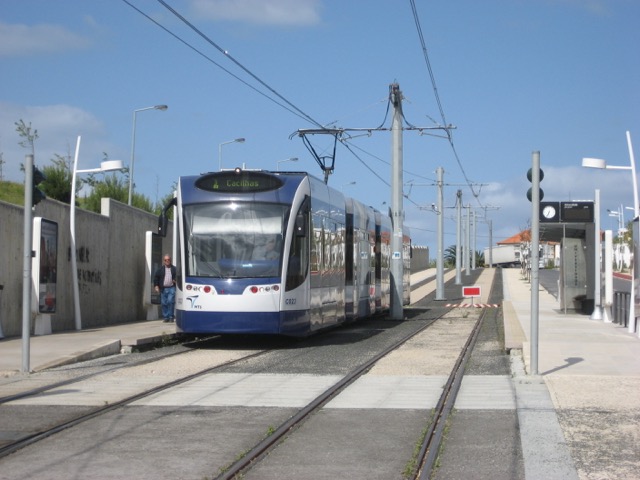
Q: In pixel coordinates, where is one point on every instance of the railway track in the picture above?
(422, 466)
(265, 446)
(39, 434)
(373, 342)
(105, 366)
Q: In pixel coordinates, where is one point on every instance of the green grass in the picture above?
(12, 192)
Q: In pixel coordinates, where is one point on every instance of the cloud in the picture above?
(264, 12)
(58, 127)
(21, 40)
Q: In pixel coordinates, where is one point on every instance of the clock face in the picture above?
(549, 211)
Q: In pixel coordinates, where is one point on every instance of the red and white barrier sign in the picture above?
(473, 291)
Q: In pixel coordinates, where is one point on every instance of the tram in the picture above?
(277, 253)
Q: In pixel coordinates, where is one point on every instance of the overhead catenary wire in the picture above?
(291, 109)
(285, 103)
(437, 96)
(241, 66)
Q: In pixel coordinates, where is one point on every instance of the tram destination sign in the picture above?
(238, 181)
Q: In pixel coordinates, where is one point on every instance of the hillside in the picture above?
(12, 192)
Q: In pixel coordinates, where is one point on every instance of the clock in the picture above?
(549, 211)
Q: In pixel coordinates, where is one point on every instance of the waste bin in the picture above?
(588, 305)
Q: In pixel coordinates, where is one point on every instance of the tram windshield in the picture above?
(234, 239)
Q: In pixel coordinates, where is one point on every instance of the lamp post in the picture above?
(237, 140)
(133, 144)
(106, 166)
(599, 163)
(292, 159)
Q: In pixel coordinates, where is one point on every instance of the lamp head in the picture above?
(594, 163)
(111, 165)
(161, 107)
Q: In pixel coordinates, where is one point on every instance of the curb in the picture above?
(106, 349)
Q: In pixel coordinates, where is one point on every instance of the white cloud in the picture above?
(58, 127)
(19, 39)
(265, 12)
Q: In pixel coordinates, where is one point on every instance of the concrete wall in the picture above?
(110, 251)
(419, 259)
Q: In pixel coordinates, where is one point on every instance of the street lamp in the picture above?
(237, 140)
(133, 144)
(599, 163)
(292, 159)
(106, 166)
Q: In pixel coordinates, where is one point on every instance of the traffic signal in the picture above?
(530, 178)
(38, 195)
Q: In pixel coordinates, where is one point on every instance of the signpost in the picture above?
(472, 291)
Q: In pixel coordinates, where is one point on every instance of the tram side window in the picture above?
(298, 264)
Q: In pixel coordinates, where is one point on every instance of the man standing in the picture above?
(164, 281)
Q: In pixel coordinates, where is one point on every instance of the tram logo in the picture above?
(192, 300)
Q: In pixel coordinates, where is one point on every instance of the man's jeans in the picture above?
(168, 300)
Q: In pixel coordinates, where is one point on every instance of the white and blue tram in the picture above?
(277, 253)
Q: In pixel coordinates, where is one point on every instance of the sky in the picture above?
(511, 77)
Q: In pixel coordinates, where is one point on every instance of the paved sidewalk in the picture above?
(589, 381)
(47, 351)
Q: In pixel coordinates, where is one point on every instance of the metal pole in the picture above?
(473, 249)
(72, 231)
(133, 144)
(636, 212)
(133, 149)
(396, 204)
(26, 271)
(535, 258)
(597, 311)
(636, 204)
(467, 242)
(440, 259)
(608, 277)
(458, 236)
(490, 243)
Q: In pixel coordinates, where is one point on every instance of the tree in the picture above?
(113, 186)
(57, 184)
(29, 135)
(165, 200)
(450, 256)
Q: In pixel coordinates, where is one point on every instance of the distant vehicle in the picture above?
(328, 261)
(503, 255)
